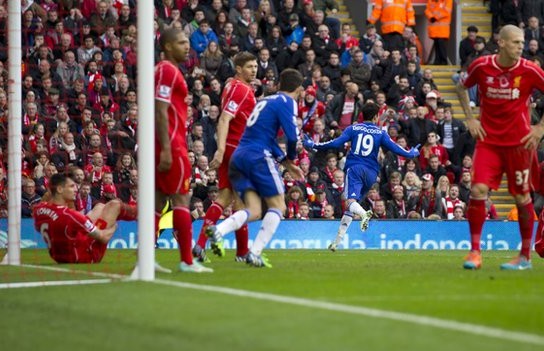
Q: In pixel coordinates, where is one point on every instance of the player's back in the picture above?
(270, 113)
(238, 100)
(170, 87)
(63, 230)
(366, 140)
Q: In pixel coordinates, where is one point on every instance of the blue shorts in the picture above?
(256, 170)
(358, 181)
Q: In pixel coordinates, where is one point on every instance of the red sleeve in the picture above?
(164, 82)
(81, 220)
(472, 73)
(238, 94)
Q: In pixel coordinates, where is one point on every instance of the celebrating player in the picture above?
(71, 236)
(506, 141)
(238, 101)
(173, 170)
(253, 172)
(362, 166)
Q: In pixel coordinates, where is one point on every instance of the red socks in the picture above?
(183, 231)
(242, 236)
(212, 216)
(476, 214)
(526, 223)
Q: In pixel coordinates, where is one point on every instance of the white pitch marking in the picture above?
(53, 283)
(468, 328)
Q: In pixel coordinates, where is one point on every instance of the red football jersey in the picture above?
(505, 95)
(65, 231)
(170, 87)
(238, 100)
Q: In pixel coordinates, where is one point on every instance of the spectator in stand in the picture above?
(533, 30)
(29, 198)
(510, 13)
(411, 184)
(324, 88)
(429, 201)
(84, 200)
(465, 185)
(435, 168)
(533, 51)
(452, 201)
(42, 183)
(397, 206)
(419, 128)
(346, 40)
(386, 190)
(102, 19)
(433, 147)
(466, 46)
(359, 70)
(292, 201)
(310, 109)
(393, 162)
(68, 154)
(333, 70)
(369, 39)
(345, 108)
(410, 39)
(379, 210)
(264, 62)
(86, 51)
(450, 130)
(394, 16)
(69, 70)
(393, 69)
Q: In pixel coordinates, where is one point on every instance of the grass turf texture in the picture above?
(144, 316)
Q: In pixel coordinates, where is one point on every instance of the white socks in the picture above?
(234, 222)
(354, 207)
(270, 223)
(344, 225)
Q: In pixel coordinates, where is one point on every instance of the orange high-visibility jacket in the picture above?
(441, 11)
(394, 15)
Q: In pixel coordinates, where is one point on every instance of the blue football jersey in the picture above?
(366, 140)
(269, 115)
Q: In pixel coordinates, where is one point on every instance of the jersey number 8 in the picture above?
(255, 114)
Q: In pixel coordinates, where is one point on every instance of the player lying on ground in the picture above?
(71, 236)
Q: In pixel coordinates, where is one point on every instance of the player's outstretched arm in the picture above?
(222, 131)
(103, 235)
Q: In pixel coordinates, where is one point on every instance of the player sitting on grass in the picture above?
(71, 236)
(362, 167)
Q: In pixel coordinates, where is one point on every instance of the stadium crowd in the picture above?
(80, 103)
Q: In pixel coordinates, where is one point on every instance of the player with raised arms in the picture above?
(362, 166)
(253, 168)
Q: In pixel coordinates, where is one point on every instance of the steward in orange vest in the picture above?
(438, 12)
(394, 15)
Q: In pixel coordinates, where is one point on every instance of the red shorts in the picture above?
(88, 250)
(223, 170)
(519, 164)
(177, 179)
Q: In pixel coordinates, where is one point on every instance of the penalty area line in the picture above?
(451, 325)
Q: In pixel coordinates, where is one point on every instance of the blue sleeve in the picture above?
(277, 152)
(394, 147)
(336, 143)
(288, 120)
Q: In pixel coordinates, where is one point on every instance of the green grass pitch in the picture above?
(161, 316)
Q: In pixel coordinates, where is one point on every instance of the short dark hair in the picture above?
(370, 110)
(243, 57)
(56, 180)
(290, 80)
(168, 36)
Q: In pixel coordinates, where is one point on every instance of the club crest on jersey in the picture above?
(164, 91)
(233, 106)
(517, 82)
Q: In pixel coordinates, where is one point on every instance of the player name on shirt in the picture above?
(47, 212)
